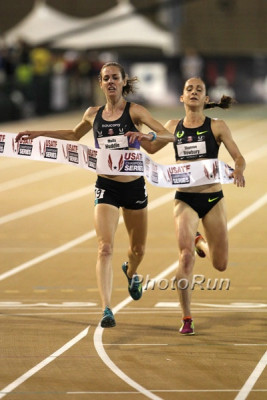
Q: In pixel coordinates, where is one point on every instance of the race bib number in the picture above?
(99, 193)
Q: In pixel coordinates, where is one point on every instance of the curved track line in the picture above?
(105, 358)
(99, 331)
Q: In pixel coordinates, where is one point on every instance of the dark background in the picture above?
(228, 36)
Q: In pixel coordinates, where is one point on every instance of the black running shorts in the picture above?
(202, 203)
(131, 195)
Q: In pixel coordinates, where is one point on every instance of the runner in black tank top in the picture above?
(110, 123)
(198, 137)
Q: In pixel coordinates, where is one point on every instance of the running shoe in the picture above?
(187, 327)
(134, 285)
(199, 252)
(108, 320)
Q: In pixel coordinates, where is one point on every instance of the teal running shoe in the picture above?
(134, 285)
(108, 320)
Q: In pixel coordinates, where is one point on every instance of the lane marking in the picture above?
(154, 204)
(175, 304)
(34, 177)
(250, 344)
(254, 155)
(99, 331)
(250, 157)
(155, 312)
(64, 304)
(75, 242)
(247, 211)
(43, 174)
(173, 391)
(136, 344)
(105, 358)
(252, 379)
(9, 388)
(56, 201)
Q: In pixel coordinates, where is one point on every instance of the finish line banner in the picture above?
(115, 162)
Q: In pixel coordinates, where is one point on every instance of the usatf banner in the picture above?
(115, 162)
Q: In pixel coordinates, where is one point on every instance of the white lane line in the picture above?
(153, 204)
(246, 389)
(34, 177)
(204, 311)
(105, 358)
(9, 388)
(173, 391)
(250, 157)
(56, 201)
(48, 254)
(254, 155)
(247, 211)
(250, 344)
(75, 242)
(136, 344)
(99, 331)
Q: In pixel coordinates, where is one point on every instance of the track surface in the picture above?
(51, 344)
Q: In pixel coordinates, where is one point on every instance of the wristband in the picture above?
(154, 136)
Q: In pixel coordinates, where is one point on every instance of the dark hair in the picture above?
(225, 102)
(130, 82)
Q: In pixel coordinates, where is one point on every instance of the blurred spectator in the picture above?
(191, 64)
(59, 98)
(220, 88)
(41, 66)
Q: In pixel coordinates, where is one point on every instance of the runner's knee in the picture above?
(105, 249)
(138, 250)
(186, 260)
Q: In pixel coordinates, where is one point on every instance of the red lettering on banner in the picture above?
(72, 147)
(50, 143)
(91, 153)
(133, 156)
(179, 169)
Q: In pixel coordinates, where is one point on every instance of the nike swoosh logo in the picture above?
(140, 201)
(201, 133)
(179, 134)
(211, 200)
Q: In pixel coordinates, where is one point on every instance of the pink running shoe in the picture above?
(187, 327)
(199, 252)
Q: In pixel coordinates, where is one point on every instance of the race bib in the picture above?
(191, 150)
(113, 142)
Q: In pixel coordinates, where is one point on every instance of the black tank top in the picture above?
(110, 134)
(194, 143)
